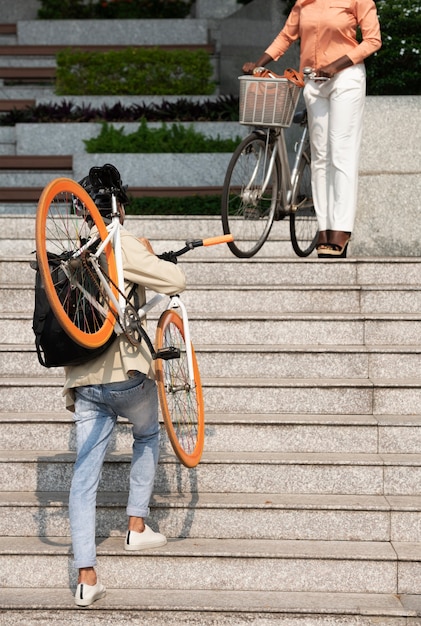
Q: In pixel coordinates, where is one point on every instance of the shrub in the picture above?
(151, 71)
(186, 205)
(177, 139)
(114, 9)
(222, 109)
(396, 68)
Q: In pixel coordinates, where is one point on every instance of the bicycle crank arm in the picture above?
(167, 353)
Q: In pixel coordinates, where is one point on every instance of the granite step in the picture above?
(278, 516)
(245, 395)
(159, 607)
(236, 472)
(222, 516)
(368, 299)
(247, 432)
(257, 272)
(269, 328)
(269, 361)
(223, 564)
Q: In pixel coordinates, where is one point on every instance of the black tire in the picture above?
(303, 225)
(246, 214)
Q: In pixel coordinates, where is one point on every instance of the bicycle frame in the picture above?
(114, 238)
(289, 178)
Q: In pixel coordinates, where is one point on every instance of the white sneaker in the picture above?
(87, 594)
(145, 540)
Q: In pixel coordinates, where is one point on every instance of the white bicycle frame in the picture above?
(114, 238)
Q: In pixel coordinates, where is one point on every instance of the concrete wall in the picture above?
(12, 11)
(245, 35)
(389, 207)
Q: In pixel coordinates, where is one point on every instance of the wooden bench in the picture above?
(36, 162)
(31, 194)
(28, 74)
(8, 29)
(9, 105)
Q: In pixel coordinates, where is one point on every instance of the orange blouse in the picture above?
(327, 31)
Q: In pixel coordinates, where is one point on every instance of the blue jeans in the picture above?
(96, 411)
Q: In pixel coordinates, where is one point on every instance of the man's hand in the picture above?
(168, 256)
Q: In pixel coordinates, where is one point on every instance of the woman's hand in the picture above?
(249, 67)
(328, 71)
(264, 60)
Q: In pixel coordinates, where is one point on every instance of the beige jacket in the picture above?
(148, 272)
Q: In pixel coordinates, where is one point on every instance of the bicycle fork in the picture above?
(176, 304)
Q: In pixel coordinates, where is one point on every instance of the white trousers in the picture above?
(335, 115)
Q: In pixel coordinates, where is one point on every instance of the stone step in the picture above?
(269, 329)
(234, 432)
(226, 608)
(260, 272)
(247, 564)
(223, 516)
(276, 516)
(250, 395)
(368, 299)
(269, 361)
(236, 472)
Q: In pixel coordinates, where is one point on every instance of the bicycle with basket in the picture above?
(260, 186)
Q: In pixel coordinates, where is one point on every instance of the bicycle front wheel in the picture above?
(250, 195)
(303, 224)
(180, 398)
(65, 218)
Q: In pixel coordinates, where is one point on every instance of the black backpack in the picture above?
(54, 346)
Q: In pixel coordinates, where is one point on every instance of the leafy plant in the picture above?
(114, 9)
(396, 68)
(224, 108)
(176, 139)
(185, 205)
(151, 71)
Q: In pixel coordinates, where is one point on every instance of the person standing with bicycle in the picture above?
(328, 44)
(119, 382)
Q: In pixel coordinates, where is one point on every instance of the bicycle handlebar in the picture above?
(209, 241)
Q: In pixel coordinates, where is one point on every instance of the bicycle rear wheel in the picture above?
(247, 210)
(181, 400)
(303, 224)
(65, 217)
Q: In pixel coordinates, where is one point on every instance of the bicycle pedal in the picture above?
(167, 353)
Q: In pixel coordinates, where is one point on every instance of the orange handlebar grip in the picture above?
(212, 241)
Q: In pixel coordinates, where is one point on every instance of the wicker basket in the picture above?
(267, 101)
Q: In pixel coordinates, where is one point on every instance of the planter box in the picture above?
(117, 32)
(51, 139)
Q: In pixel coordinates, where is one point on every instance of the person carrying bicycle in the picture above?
(120, 382)
(328, 44)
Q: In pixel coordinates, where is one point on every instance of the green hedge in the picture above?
(187, 205)
(151, 71)
(173, 139)
(113, 9)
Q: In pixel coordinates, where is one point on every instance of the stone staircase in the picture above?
(305, 508)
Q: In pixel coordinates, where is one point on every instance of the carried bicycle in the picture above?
(69, 225)
(259, 185)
